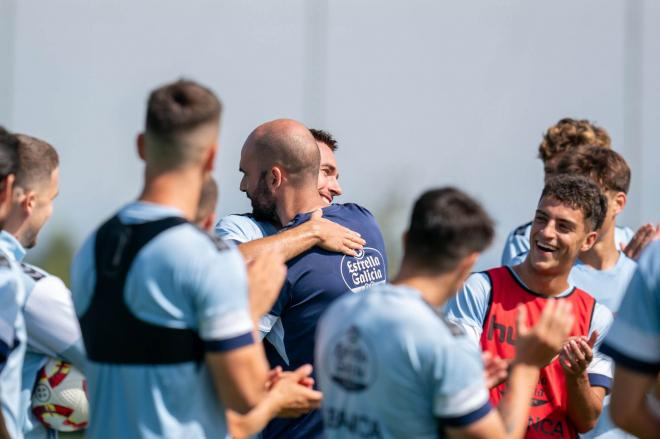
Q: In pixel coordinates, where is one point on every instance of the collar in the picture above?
(10, 245)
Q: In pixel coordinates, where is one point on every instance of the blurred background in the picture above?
(418, 93)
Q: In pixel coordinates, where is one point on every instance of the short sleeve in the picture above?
(51, 322)
(238, 229)
(460, 397)
(468, 308)
(516, 244)
(219, 287)
(634, 340)
(600, 369)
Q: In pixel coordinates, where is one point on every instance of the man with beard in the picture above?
(280, 161)
(248, 229)
(570, 391)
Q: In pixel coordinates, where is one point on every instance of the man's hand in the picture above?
(334, 237)
(577, 353)
(495, 369)
(538, 345)
(643, 236)
(266, 275)
(291, 395)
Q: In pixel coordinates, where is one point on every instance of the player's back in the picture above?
(607, 286)
(314, 280)
(390, 367)
(178, 284)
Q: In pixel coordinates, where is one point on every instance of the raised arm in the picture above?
(315, 232)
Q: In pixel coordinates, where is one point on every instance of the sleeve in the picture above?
(460, 397)
(238, 229)
(516, 244)
(634, 340)
(600, 369)
(51, 321)
(468, 308)
(8, 313)
(220, 290)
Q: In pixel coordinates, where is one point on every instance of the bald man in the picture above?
(280, 165)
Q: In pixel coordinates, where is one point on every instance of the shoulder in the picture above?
(243, 228)
(522, 230)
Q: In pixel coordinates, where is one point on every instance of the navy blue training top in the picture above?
(314, 280)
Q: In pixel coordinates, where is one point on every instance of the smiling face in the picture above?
(41, 209)
(559, 233)
(328, 183)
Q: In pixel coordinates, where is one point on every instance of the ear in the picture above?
(139, 141)
(589, 241)
(276, 178)
(620, 200)
(29, 201)
(210, 158)
(209, 222)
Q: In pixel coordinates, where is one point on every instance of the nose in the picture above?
(335, 188)
(243, 185)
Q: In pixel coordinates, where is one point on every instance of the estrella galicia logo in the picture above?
(363, 270)
(351, 362)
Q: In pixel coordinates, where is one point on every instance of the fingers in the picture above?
(592, 339)
(642, 237)
(302, 372)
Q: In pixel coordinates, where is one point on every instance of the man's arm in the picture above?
(630, 406)
(535, 348)
(317, 231)
(289, 396)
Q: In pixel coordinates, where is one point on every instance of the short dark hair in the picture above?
(568, 134)
(207, 200)
(604, 166)
(8, 155)
(446, 225)
(37, 160)
(579, 193)
(325, 137)
(180, 107)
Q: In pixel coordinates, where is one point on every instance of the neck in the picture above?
(16, 225)
(604, 254)
(297, 201)
(543, 283)
(435, 289)
(179, 189)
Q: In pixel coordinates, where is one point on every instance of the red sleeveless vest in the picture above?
(548, 416)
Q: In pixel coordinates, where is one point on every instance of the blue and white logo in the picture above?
(364, 270)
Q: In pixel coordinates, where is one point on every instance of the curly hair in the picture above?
(571, 133)
(579, 193)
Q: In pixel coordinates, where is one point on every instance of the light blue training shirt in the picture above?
(422, 376)
(52, 331)
(179, 279)
(12, 333)
(634, 340)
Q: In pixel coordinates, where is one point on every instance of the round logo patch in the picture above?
(351, 362)
(364, 270)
